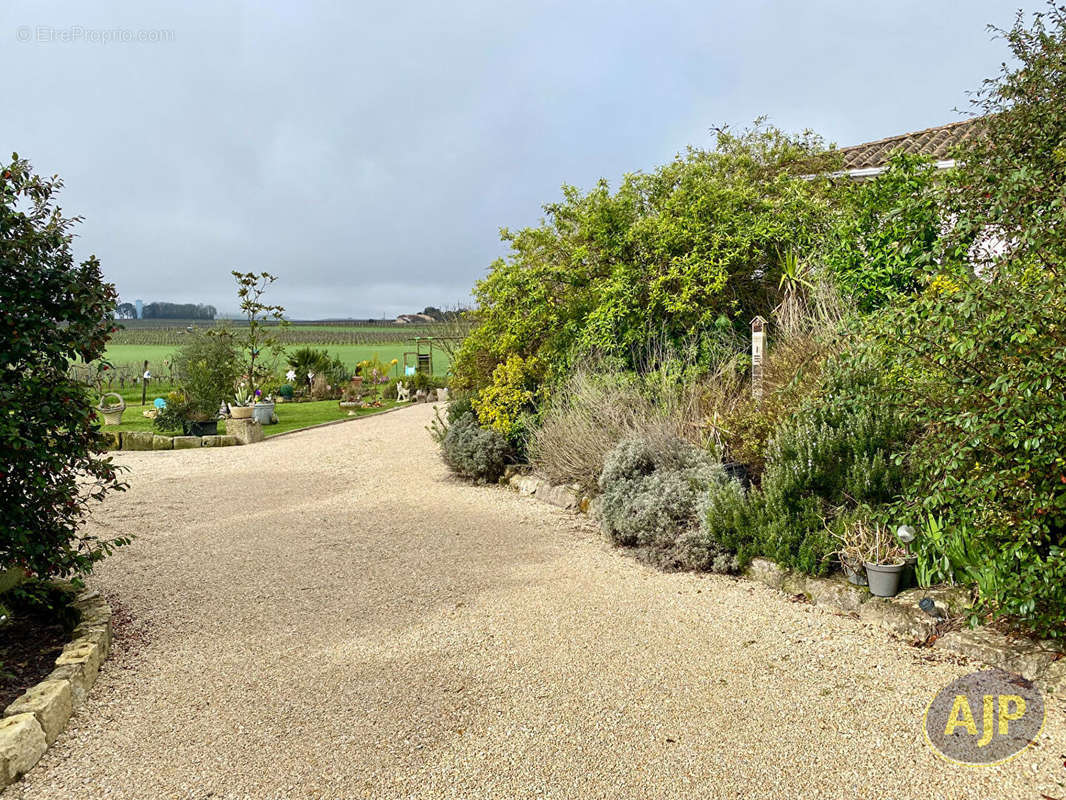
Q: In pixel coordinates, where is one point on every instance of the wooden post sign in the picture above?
(758, 350)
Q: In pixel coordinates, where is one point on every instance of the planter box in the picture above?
(209, 428)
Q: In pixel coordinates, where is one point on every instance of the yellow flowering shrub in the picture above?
(502, 405)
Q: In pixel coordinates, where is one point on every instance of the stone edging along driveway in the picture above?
(1040, 662)
(36, 718)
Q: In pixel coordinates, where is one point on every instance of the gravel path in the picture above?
(331, 615)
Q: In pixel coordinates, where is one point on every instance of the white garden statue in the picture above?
(403, 393)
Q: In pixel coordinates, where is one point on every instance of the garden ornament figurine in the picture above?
(403, 394)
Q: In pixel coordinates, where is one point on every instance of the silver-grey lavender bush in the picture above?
(654, 494)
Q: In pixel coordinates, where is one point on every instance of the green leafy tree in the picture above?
(207, 369)
(889, 236)
(1010, 192)
(52, 310)
(670, 253)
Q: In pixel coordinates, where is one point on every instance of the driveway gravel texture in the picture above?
(331, 614)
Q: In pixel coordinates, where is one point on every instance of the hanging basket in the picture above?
(113, 411)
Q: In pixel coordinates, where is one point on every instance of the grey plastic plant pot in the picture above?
(884, 578)
(854, 576)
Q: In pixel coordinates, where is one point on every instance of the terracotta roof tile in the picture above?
(937, 142)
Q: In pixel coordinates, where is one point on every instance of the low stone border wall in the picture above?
(1041, 662)
(33, 722)
(142, 440)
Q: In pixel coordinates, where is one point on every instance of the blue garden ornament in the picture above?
(159, 403)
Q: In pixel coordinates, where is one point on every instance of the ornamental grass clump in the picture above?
(653, 495)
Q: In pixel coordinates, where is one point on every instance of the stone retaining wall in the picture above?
(943, 629)
(33, 722)
(143, 440)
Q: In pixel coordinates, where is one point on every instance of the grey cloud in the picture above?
(368, 153)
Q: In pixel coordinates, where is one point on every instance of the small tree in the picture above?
(257, 336)
(207, 369)
(51, 312)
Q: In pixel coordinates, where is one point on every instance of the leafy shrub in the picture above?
(792, 372)
(887, 239)
(286, 391)
(303, 360)
(459, 407)
(506, 404)
(172, 416)
(424, 382)
(207, 369)
(474, 452)
(652, 498)
(730, 519)
(52, 311)
(835, 454)
(982, 368)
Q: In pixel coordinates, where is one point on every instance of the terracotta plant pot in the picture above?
(240, 412)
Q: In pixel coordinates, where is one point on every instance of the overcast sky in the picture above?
(369, 153)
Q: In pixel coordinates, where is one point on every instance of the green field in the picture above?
(290, 416)
(134, 355)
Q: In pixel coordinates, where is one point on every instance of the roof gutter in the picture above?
(873, 172)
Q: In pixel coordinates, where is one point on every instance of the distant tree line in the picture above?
(167, 311)
(448, 315)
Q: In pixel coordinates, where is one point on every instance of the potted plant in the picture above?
(180, 412)
(853, 552)
(206, 368)
(885, 562)
(263, 408)
(112, 412)
(241, 408)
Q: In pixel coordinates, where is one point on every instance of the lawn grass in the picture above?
(291, 416)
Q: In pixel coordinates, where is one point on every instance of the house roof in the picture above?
(937, 142)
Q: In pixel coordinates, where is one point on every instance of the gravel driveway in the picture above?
(331, 615)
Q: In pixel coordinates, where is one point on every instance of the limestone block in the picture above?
(794, 583)
(162, 442)
(906, 621)
(86, 653)
(186, 442)
(527, 484)
(50, 702)
(562, 496)
(246, 431)
(228, 441)
(1037, 661)
(137, 440)
(22, 744)
(74, 675)
(766, 571)
(209, 441)
(836, 592)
